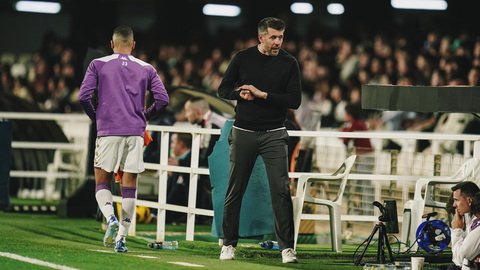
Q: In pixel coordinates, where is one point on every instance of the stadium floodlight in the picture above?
(335, 9)
(420, 4)
(38, 7)
(221, 10)
(301, 8)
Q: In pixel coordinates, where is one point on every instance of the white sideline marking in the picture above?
(146, 257)
(35, 261)
(101, 250)
(111, 252)
(187, 264)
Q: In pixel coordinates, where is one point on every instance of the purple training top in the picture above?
(121, 82)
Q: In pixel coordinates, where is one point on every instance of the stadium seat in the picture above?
(303, 195)
(413, 209)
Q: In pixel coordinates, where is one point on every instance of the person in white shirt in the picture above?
(465, 223)
(198, 112)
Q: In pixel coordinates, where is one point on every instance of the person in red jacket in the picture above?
(362, 147)
(354, 122)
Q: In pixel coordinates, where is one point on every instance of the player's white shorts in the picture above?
(119, 152)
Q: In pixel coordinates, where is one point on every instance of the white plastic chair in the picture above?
(467, 172)
(334, 206)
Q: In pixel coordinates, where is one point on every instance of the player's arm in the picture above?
(87, 88)
(159, 93)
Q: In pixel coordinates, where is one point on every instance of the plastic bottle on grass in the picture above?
(167, 245)
(269, 244)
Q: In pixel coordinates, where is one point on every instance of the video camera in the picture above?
(388, 215)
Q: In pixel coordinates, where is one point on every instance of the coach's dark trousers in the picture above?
(245, 146)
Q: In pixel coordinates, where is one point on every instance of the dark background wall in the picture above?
(88, 23)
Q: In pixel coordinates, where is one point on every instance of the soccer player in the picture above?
(120, 82)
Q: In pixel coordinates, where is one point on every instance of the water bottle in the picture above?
(269, 244)
(170, 245)
(167, 245)
(155, 245)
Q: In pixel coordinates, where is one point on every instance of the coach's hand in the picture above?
(246, 94)
(255, 92)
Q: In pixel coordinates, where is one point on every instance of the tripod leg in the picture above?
(389, 249)
(369, 239)
(381, 246)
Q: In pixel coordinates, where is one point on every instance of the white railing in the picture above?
(76, 128)
(191, 210)
(323, 140)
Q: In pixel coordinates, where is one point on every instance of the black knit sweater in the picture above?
(279, 76)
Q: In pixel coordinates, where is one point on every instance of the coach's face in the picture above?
(271, 41)
(461, 202)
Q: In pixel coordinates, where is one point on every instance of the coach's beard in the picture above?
(274, 51)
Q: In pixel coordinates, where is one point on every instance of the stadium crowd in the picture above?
(333, 70)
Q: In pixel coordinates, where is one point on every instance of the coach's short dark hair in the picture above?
(271, 22)
(467, 188)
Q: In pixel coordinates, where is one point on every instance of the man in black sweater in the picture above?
(265, 81)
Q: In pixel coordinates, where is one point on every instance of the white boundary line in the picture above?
(146, 257)
(35, 261)
(187, 264)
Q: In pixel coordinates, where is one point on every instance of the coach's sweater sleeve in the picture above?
(293, 94)
(88, 87)
(227, 88)
(159, 93)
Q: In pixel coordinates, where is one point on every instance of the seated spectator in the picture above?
(198, 112)
(177, 183)
(465, 223)
(354, 122)
(361, 147)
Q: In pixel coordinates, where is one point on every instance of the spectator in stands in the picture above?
(265, 81)
(465, 223)
(353, 123)
(362, 147)
(474, 76)
(120, 82)
(178, 183)
(198, 112)
(339, 103)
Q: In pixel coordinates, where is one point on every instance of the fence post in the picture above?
(6, 163)
(437, 165)
(393, 170)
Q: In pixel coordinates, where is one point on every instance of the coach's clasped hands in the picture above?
(250, 92)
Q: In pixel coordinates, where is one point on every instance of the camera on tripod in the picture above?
(388, 215)
(388, 224)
